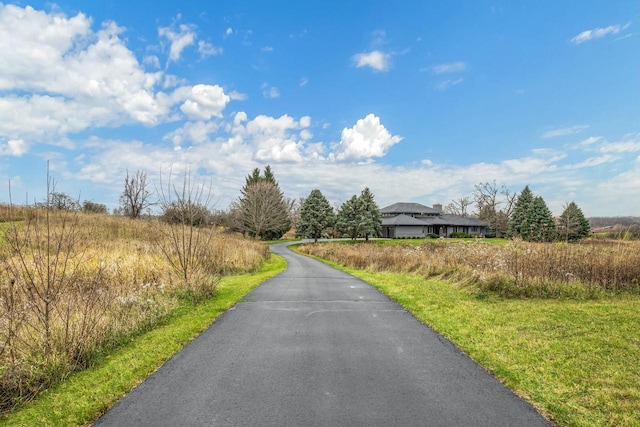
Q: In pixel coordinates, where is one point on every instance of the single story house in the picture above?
(409, 220)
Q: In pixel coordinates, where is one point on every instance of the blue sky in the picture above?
(418, 100)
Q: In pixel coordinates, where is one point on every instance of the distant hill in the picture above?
(610, 221)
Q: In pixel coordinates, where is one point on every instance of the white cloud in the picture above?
(621, 192)
(597, 33)
(595, 161)
(366, 139)
(207, 49)
(203, 101)
(586, 143)
(453, 67)
(179, 39)
(571, 130)
(14, 147)
(194, 132)
(631, 145)
(228, 32)
(270, 92)
(237, 96)
(61, 77)
(446, 84)
(275, 139)
(376, 59)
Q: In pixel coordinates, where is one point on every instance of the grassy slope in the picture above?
(84, 396)
(578, 362)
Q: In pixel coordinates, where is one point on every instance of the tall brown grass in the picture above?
(73, 285)
(519, 269)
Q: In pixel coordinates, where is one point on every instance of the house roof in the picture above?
(408, 208)
(403, 214)
(402, 219)
(463, 221)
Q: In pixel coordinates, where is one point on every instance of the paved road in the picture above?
(317, 347)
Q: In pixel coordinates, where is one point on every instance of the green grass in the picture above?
(84, 396)
(578, 362)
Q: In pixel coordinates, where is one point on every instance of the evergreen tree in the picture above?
(539, 225)
(269, 177)
(316, 215)
(348, 218)
(252, 178)
(519, 215)
(370, 220)
(572, 224)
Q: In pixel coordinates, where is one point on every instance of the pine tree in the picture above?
(316, 215)
(572, 224)
(348, 218)
(370, 220)
(539, 223)
(519, 215)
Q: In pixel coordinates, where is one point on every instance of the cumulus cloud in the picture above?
(597, 33)
(376, 59)
(193, 132)
(203, 101)
(275, 138)
(366, 139)
(61, 77)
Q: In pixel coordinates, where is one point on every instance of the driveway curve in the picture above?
(315, 346)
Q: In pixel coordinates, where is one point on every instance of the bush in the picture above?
(433, 236)
(458, 235)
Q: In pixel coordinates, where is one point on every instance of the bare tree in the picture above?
(264, 210)
(188, 236)
(136, 195)
(294, 207)
(494, 204)
(459, 206)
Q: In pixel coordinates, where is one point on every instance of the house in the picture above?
(408, 220)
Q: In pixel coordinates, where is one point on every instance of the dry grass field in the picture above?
(73, 285)
(517, 269)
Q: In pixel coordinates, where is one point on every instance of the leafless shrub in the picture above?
(185, 242)
(72, 284)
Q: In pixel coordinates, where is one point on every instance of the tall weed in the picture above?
(75, 284)
(518, 269)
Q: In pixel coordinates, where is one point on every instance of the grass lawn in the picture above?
(84, 396)
(578, 362)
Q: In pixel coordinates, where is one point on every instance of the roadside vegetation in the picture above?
(74, 285)
(84, 396)
(556, 322)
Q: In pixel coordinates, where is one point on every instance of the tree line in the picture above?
(262, 211)
(522, 215)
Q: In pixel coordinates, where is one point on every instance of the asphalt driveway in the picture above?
(315, 346)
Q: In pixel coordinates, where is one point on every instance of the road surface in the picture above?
(315, 346)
